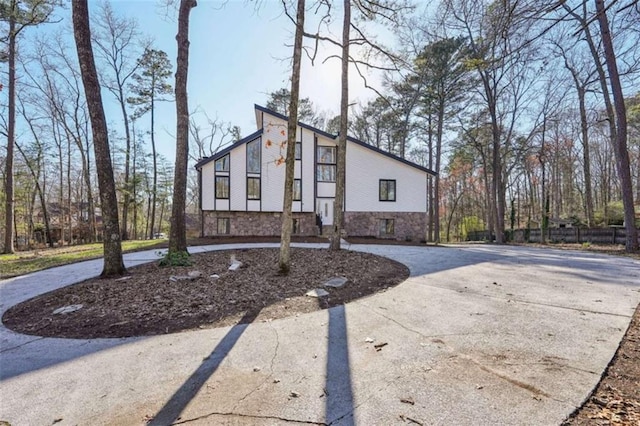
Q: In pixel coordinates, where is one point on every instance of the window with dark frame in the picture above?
(253, 188)
(387, 190)
(253, 156)
(297, 190)
(223, 225)
(222, 187)
(222, 164)
(326, 167)
(298, 155)
(296, 226)
(387, 227)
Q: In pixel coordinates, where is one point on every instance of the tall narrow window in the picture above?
(387, 190)
(298, 151)
(253, 188)
(326, 167)
(222, 164)
(297, 190)
(222, 187)
(253, 156)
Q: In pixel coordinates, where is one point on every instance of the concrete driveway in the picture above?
(478, 334)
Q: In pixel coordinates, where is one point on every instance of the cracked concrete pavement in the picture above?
(478, 334)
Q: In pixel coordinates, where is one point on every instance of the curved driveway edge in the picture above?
(478, 334)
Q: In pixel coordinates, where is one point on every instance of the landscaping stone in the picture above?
(67, 309)
(194, 274)
(318, 292)
(337, 282)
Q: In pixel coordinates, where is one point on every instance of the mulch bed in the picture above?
(150, 303)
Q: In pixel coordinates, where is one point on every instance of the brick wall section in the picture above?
(257, 223)
(367, 224)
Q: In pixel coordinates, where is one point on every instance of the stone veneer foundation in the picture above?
(407, 226)
(256, 223)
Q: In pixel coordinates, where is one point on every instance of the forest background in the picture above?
(511, 102)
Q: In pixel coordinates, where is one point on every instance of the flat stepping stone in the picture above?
(337, 282)
(67, 309)
(317, 292)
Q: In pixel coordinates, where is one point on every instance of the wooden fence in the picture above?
(612, 235)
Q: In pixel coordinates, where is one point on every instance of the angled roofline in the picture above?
(349, 138)
(392, 156)
(225, 151)
(301, 124)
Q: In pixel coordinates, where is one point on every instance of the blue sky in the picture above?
(238, 54)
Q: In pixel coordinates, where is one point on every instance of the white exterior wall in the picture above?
(272, 174)
(238, 178)
(208, 190)
(364, 170)
(307, 170)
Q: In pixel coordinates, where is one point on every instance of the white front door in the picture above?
(324, 208)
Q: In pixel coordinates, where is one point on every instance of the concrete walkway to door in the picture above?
(478, 335)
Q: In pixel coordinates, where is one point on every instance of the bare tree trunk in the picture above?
(620, 142)
(8, 183)
(69, 223)
(178, 231)
(127, 158)
(287, 221)
(134, 188)
(58, 138)
(432, 206)
(544, 220)
(586, 157)
(436, 196)
(35, 173)
(338, 204)
(93, 229)
(154, 187)
(113, 264)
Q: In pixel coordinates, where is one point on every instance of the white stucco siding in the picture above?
(365, 168)
(208, 186)
(307, 172)
(273, 166)
(222, 205)
(238, 178)
(326, 189)
(253, 205)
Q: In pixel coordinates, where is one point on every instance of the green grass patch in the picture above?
(21, 263)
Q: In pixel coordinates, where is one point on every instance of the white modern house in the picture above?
(242, 186)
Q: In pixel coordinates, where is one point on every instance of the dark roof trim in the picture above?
(351, 139)
(284, 117)
(225, 151)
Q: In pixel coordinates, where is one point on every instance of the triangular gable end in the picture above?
(225, 151)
